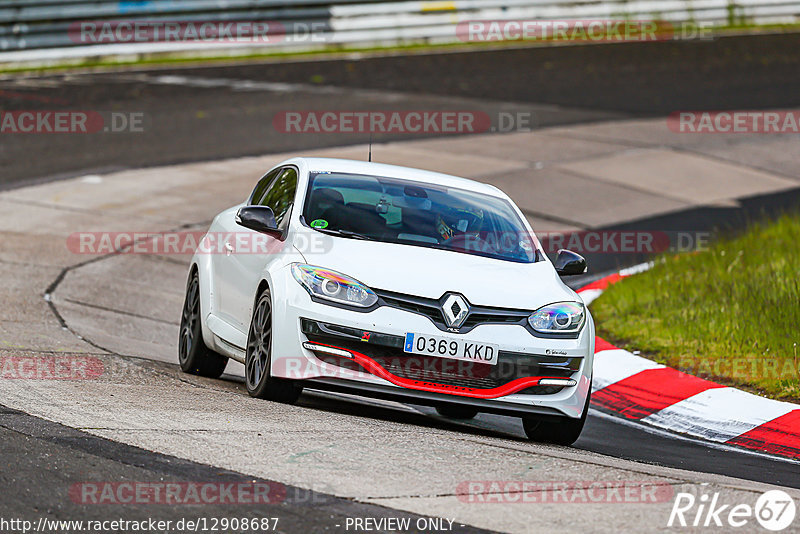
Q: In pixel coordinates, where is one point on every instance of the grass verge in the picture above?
(730, 314)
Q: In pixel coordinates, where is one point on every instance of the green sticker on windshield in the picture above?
(319, 223)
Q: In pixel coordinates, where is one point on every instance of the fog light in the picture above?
(328, 350)
(564, 382)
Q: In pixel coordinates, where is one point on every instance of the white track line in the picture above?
(613, 365)
(719, 414)
(682, 437)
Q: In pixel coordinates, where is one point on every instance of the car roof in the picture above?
(394, 171)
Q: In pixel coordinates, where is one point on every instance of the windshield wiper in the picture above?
(345, 233)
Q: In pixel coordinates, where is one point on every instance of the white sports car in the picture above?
(395, 283)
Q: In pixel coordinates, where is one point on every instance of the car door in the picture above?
(225, 231)
(255, 250)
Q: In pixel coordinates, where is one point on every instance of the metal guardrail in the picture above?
(27, 25)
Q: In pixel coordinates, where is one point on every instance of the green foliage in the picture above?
(731, 313)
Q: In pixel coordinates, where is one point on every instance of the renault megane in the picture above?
(391, 282)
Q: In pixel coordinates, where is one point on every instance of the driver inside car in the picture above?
(461, 226)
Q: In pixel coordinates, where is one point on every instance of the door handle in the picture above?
(228, 248)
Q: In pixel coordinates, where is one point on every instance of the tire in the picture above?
(456, 411)
(259, 356)
(193, 354)
(564, 431)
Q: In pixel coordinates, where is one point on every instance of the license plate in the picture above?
(448, 347)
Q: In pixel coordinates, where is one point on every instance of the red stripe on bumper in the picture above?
(422, 385)
(649, 391)
(779, 436)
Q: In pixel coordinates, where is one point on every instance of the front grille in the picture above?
(474, 319)
(432, 309)
(420, 306)
(444, 371)
(387, 351)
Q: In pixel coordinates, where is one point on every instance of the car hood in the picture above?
(431, 273)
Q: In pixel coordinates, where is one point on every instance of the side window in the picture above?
(262, 185)
(280, 195)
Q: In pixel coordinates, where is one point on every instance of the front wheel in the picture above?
(259, 356)
(193, 354)
(564, 431)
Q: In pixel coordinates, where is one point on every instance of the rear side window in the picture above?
(280, 194)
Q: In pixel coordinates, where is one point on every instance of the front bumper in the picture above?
(371, 360)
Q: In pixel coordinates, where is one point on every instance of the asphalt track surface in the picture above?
(232, 115)
(221, 121)
(42, 458)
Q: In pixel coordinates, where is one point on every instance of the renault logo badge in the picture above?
(455, 309)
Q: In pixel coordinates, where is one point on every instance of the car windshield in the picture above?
(410, 213)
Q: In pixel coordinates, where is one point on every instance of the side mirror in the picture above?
(258, 218)
(568, 263)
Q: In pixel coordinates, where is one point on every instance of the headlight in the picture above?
(333, 286)
(558, 318)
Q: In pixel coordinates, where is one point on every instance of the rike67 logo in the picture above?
(774, 510)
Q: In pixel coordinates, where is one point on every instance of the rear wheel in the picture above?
(455, 411)
(564, 431)
(193, 354)
(259, 356)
